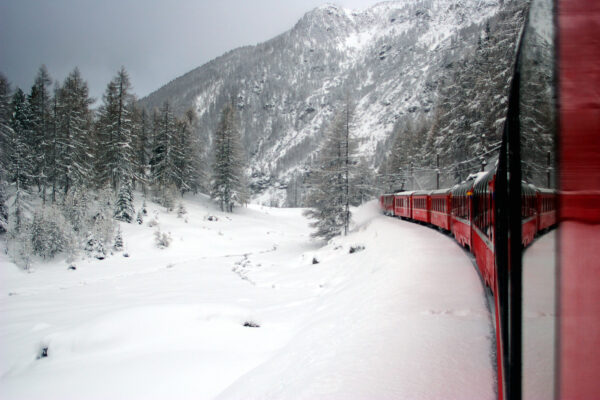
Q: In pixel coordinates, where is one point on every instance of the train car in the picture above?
(546, 208)
(529, 215)
(386, 202)
(403, 204)
(441, 208)
(578, 355)
(421, 206)
(483, 220)
(461, 213)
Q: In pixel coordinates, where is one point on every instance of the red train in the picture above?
(467, 212)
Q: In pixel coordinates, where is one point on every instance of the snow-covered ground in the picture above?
(404, 318)
(539, 317)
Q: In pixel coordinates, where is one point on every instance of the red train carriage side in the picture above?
(546, 208)
(529, 220)
(461, 213)
(421, 206)
(403, 204)
(440, 208)
(483, 221)
(386, 202)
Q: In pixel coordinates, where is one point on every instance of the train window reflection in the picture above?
(538, 201)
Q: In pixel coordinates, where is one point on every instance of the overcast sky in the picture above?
(156, 41)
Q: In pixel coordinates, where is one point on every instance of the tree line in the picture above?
(67, 170)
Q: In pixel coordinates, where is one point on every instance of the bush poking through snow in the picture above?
(95, 247)
(153, 222)
(139, 218)
(315, 261)
(43, 353)
(162, 240)
(356, 249)
(251, 324)
(118, 246)
(181, 211)
(19, 247)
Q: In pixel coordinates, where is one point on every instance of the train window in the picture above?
(537, 116)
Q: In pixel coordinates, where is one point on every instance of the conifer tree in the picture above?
(329, 196)
(162, 165)
(40, 102)
(74, 155)
(20, 163)
(228, 183)
(115, 131)
(124, 210)
(5, 129)
(142, 146)
(53, 144)
(187, 154)
(3, 209)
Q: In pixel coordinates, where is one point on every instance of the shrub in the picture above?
(162, 240)
(51, 233)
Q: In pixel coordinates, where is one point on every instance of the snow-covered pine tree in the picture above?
(73, 157)
(40, 102)
(162, 167)
(142, 147)
(329, 196)
(102, 225)
(53, 144)
(5, 129)
(227, 183)
(75, 207)
(3, 209)
(179, 152)
(124, 210)
(20, 156)
(118, 245)
(193, 167)
(115, 151)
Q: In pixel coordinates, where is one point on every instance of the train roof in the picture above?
(441, 191)
(422, 192)
(405, 193)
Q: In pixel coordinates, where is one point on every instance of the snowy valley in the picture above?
(146, 250)
(235, 307)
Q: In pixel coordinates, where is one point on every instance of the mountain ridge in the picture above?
(390, 58)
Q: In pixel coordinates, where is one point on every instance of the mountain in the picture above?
(395, 61)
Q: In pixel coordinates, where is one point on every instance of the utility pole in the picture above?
(412, 176)
(548, 169)
(437, 171)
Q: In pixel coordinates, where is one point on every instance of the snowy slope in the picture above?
(404, 318)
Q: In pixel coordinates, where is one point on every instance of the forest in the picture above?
(69, 172)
